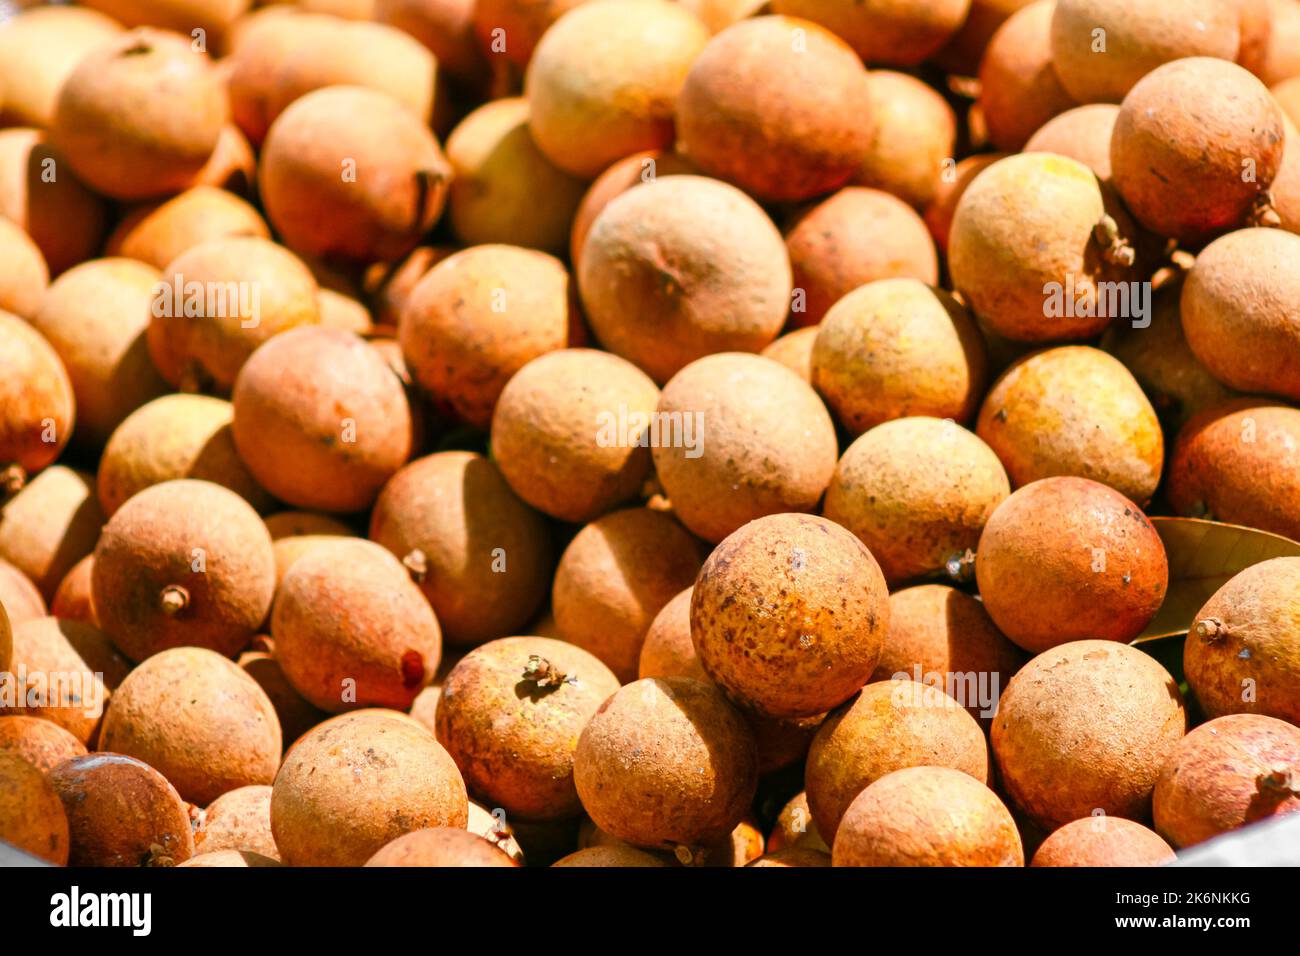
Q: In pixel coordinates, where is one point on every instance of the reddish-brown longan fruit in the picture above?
(902, 32)
(37, 407)
(239, 819)
(31, 816)
(38, 741)
(1102, 840)
(52, 523)
(1019, 88)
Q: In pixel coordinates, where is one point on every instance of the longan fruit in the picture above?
(927, 816)
(668, 650)
(760, 443)
(1086, 727)
(1103, 841)
(229, 858)
(40, 742)
(213, 18)
(1074, 410)
(618, 855)
(149, 591)
(262, 41)
(22, 285)
(239, 819)
(1019, 88)
(19, 597)
(793, 856)
(39, 49)
(915, 134)
(232, 165)
(789, 614)
(885, 31)
(37, 407)
(157, 233)
(31, 816)
(952, 186)
(777, 106)
(1281, 59)
(441, 847)
(795, 828)
(511, 29)
(446, 28)
(1081, 133)
(72, 601)
(51, 524)
(794, 351)
(296, 715)
(356, 783)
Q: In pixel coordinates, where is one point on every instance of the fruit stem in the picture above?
(1279, 780)
(1115, 248)
(417, 562)
(1210, 629)
(173, 599)
(544, 674)
(12, 479)
(1263, 213)
(961, 567)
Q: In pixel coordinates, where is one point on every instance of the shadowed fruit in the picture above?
(1019, 88)
(37, 407)
(64, 218)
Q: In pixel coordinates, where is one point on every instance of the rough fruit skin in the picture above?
(927, 816)
(885, 31)
(1081, 133)
(238, 820)
(198, 719)
(1019, 88)
(157, 233)
(34, 389)
(1225, 774)
(441, 847)
(615, 576)
(480, 555)
(40, 742)
(31, 816)
(146, 557)
(788, 615)
(761, 443)
(1240, 309)
(916, 131)
(1183, 137)
(544, 432)
(356, 783)
(938, 214)
(681, 267)
(1243, 653)
(1103, 841)
(794, 351)
(666, 763)
(780, 123)
(52, 523)
(1074, 411)
(1064, 559)
(352, 630)
(1237, 462)
(513, 738)
(889, 725)
(1086, 726)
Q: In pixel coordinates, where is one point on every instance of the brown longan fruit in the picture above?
(792, 857)
(885, 31)
(19, 597)
(228, 858)
(1103, 841)
(1243, 652)
(356, 783)
(157, 233)
(31, 816)
(350, 173)
(681, 267)
(794, 351)
(52, 523)
(666, 763)
(1019, 89)
(40, 742)
(852, 238)
(1065, 559)
(927, 816)
(760, 443)
(1281, 59)
(351, 629)
(446, 28)
(888, 725)
(296, 715)
(917, 492)
(1235, 462)
(1196, 145)
(915, 135)
(39, 48)
(199, 720)
(122, 812)
(480, 555)
(239, 819)
(510, 715)
(1086, 727)
(667, 650)
(149, 591)
(441, 847)
(37, 407)
(778, 106)
(1074, 410)
(789, 614)
(546, 433)
(618, 855)
(213, 17)
(22, 286)
(617, 179)
(1081, 133)
(140, 116)
(218, 302)
(262, 41)
(511, 29)
(73, 601)
(952, 186)
(1226, 773)
(615, 576)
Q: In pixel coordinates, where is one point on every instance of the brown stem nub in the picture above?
(1115, 249)
(961, 567)
(173, 599)
(417, 562)
(1210, 629)
(1263, 213)
(1280, 780)
(13, 478)
(543, 673)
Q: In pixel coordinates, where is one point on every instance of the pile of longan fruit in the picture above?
(647, 432)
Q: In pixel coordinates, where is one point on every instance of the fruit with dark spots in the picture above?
(40, 742)
(31, 816)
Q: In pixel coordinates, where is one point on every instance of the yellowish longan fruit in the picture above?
(238, 820)
(157, 233)
(37, 407)
(25, 277)
(916, 132)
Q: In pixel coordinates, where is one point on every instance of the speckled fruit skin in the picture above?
(915, 132)
(50, 525)
(1027, 226)
(927, 816)
(902, 32)
(939, 212)
(668, 650)
(18, 595)
(761, 443)
(1081, 133)
(122, 812)
(780, 113)
(1019, 88)
(321, 420)
(156, 233)
(1241, 311)
(205, 352)
(1243, 654)
(355, 784)
(238, 820)
(614, 577)
(889, 725)
(1237, 462)
(480, 555)
(199, 720)
(397, 191)
(789, 614)
(1064, 559)
(147, 592)
(619, 855)
(352, 630)
(857, 235)
(514, 739)
(794, 351)
(605, 77)
(26, 274)
(1138, 40)
(545, 432)
(1225, 774)
(1074, 411)
(40, 742)
(36, 397)
(666, 763)
(31, 817)
(917, 492)
(1183, 138)
(682, 267)
(40, 47)
(1086, 726)
(442, 847)
(617, 179)
(1103, 841)
(481, 315)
